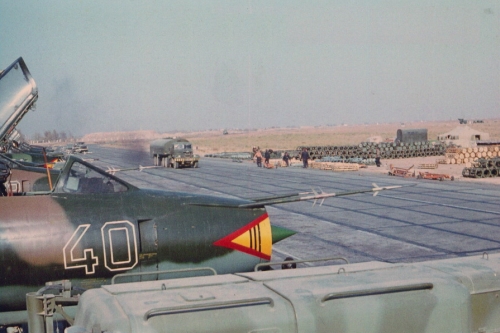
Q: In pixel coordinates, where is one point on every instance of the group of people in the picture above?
(304, 156)
(286, 158)
(258, 157)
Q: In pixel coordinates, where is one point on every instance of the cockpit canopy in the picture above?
(18, 93)
(81, 177)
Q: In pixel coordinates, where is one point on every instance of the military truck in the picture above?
(173, 152)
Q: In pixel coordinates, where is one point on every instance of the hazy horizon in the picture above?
(191, 65)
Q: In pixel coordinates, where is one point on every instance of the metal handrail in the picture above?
(210, 269)
(377, 291)
(208, 306)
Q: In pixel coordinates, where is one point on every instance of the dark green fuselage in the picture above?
(90, 238)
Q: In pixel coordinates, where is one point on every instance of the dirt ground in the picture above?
(451, 170)
(454, 170)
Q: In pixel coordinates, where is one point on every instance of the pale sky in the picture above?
(115, 65)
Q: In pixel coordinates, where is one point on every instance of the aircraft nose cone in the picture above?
(280, 233)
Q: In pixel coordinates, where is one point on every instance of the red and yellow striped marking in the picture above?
(255, 238)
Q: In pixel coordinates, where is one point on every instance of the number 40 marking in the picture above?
(114, 234)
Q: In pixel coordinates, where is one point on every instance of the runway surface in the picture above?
(428, 221)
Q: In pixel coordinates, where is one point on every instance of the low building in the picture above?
(411, 135)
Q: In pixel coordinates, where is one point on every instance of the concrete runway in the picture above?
(428, 221)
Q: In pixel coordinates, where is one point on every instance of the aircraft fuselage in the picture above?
(90, 238)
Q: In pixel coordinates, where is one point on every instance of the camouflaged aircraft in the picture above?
(23, 178)
(34, 155)
(93, 225)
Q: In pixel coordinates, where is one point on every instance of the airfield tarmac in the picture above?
(425, 220)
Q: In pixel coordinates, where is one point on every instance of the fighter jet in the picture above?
(93, 226)
(23, 178)
(34, 155)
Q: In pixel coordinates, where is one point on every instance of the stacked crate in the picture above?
(469, 155)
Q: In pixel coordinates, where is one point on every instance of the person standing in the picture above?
(286, 158)
(267, 156)
(377, 157)
(305, 157)
(258, 158)
(170, 156)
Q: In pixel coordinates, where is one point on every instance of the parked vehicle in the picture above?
(173, 152)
